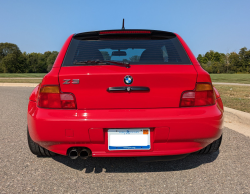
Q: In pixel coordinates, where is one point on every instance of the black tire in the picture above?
(213, 147)
(38, 150)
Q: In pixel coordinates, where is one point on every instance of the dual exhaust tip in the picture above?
(84, 153)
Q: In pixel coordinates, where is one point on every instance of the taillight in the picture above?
(218, 98)
(216, 93)
(51, 97)
(203, 95)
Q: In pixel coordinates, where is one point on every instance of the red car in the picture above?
(125, 93)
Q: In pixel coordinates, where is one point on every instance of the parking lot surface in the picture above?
(226, 171)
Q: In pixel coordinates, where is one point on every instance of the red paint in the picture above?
(69, 133)
(60, 57)
(190, 129)
(161, 134)
(52, 77)
(217, 94)
(173, 130)
(34, 94)
(96, 135)
(166, 83)
(203, 76)
(219, 100)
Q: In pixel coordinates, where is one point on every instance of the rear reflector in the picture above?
(126, 32)
(203, 95)
(50, 97)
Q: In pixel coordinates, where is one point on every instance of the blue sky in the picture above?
(39, 26)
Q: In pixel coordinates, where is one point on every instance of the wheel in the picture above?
(213, 147)
(38, 150)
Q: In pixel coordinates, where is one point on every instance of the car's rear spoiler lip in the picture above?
(96, 34)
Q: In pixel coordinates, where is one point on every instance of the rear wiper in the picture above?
(122, 64)
(106, 62)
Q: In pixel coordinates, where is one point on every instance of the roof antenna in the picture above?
(123, 25)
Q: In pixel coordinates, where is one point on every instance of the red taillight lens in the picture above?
(50, 97)
(126, 32)
(218, 98)
(216, 93)
(202, 96)
(67, 101)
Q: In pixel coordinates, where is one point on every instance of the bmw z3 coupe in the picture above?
(125, 93)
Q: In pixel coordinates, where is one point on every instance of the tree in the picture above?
(200, 58)
(10, 58)
(32, 61)
(135, 58)
(51, 59)
(210, 55)
(106, 55)
(215, 62)
(217, 57)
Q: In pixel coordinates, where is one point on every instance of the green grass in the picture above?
(231, 78)
(36, 75)
(236, 97)
(20, 80)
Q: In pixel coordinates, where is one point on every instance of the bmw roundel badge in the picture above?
(128, 79)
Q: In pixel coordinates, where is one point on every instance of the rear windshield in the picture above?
(164, 51)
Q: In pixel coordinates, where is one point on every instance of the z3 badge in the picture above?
(68, 81)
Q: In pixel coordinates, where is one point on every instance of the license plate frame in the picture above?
(129, 139)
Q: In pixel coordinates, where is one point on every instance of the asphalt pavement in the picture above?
(226, 171)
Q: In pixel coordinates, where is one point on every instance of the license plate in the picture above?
(129, 139)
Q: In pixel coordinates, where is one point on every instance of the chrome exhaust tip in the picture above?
(84, 153)
(73, 154)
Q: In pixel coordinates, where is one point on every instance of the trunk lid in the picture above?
(166, 84)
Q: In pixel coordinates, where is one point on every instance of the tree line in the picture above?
(12, 60)
(215, 62)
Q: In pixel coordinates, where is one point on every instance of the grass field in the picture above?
(231, 78)
(236, 97)
(22, 75)
(20, 80)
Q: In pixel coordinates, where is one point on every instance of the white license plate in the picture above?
(129, 139)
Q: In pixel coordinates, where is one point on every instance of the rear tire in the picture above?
(211, 148)
(38, 150)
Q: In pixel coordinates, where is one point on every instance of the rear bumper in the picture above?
(173, 131)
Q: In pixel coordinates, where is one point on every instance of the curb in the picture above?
(19, 84)
(237, 120)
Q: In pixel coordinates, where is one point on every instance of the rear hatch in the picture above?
(95, 70)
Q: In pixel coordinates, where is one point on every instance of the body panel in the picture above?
(173, 130)
(166, 84)
(186, 130)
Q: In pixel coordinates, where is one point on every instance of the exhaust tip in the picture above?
(73, 154)
(84, 153)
